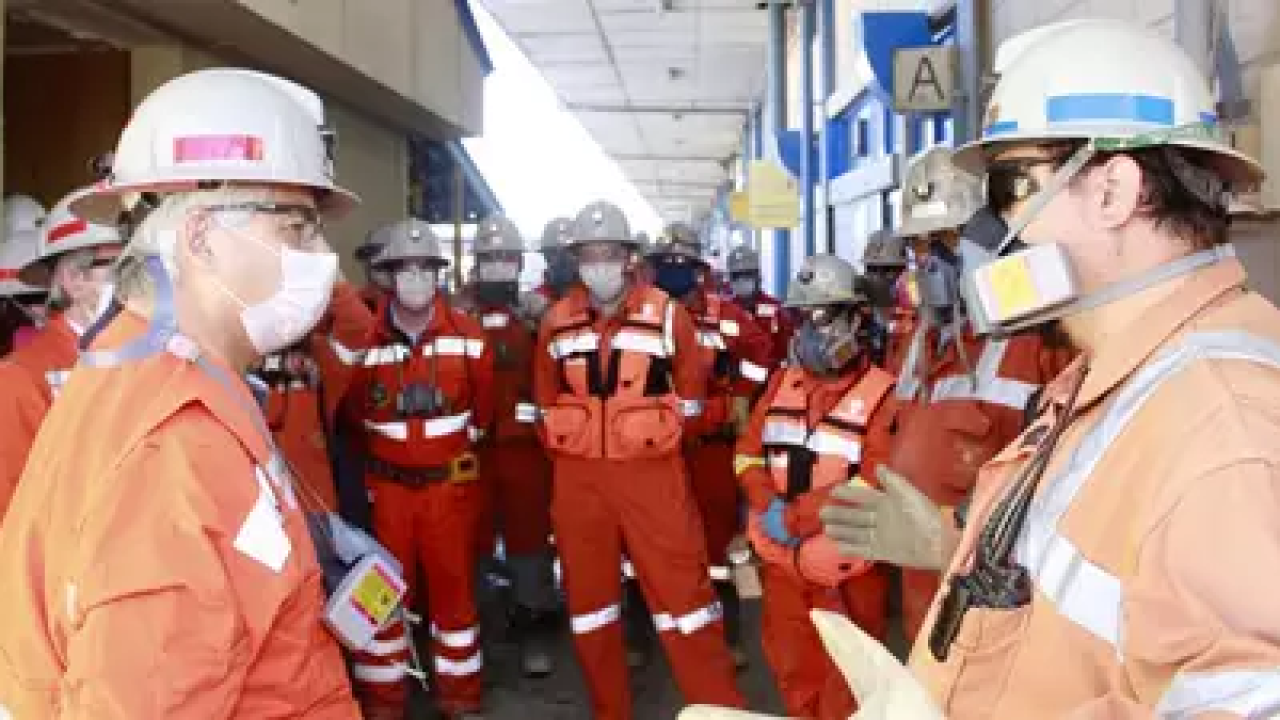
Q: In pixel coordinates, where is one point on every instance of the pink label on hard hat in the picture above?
(206, 148)
(66, 230)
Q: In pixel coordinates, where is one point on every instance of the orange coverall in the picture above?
(775, 320)
(612, 422)
(1153, 532)
(809, 682)
(422, 476)
(29, 380)
(154, 567)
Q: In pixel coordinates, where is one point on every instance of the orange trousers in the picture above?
(919, 587)
(432, 528)
(808, 680)
(716, 492)
(598, 506)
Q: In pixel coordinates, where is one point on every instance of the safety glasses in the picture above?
(302, 222)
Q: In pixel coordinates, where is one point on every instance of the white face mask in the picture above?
(743, 287)
(497, 271)
(306, 285)
(603, 279)
(415, 289)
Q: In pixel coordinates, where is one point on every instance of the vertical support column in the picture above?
(459, 207)
(776, 103)
(966, 112)
(827, 55)
(808, 173)
(1192, 25)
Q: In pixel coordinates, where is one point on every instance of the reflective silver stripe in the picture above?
(690, 623)
(638, 342)
(398, 430)
(690, 408)
(719, 573)
(628, 570)
(908, 386)
(1083, 592)
(493, 320)
(668, 328)
(379, 673)
(564, 347)
(985, 384)
(729, 328)
(456, 639)
(475, 434)
(592, 621)
(711, 339)
(1247, 693)
(454, 346)
(753, 372)
(394, 646)
(460, 668)
(781, 432)
(386, 355)
(766, 310)
(56, 379)
(447, 425)
(345, 354)
(526, 412)
(828, 443)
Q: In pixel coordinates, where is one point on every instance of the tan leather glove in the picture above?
(897, 525)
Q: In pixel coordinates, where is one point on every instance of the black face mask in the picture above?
(497, 293)
(674, 277)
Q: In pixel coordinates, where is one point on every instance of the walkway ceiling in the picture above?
(662, 85)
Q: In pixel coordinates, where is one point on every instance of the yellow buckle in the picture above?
(464, 469)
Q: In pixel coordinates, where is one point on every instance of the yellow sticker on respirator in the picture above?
(1012, 285)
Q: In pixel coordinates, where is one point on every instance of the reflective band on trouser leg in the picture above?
(689, 623)
(380, 670)
(470, 665)
(593, 621)
(1086, 593)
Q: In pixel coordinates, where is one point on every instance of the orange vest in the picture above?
(512, 341)
(620, 404)
(399, 430)
(832, 452)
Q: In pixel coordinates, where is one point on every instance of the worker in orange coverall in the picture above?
(736, 356)
(963, 398)
(23, 307)
(885, 260)
(516, 469)
(157, 562)
(423, 392)
(822, 422)
(745, 285)
(73, 263)
(617, 376)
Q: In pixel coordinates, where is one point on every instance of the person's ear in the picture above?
(1116, 195)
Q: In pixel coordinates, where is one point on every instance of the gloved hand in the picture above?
(774, 523)
(884, 688)
(897, 525)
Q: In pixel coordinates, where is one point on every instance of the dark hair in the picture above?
(1168, 198)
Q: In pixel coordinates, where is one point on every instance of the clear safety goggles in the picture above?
(301, 226)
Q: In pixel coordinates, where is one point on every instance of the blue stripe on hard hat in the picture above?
(1002, 127)
(1208, 118)
(1086, 107)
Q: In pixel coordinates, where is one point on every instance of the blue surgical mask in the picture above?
(675, 278)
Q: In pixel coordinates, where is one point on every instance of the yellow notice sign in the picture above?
(739, 207)
(772, 199)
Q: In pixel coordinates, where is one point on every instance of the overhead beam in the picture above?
(669, 158)
(657, 109)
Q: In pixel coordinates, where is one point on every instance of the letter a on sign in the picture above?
(923, 79)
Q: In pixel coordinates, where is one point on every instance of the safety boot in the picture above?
(533, 631)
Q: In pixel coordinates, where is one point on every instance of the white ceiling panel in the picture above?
(663, 92)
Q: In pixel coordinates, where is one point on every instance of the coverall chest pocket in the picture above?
(571, 426)
(983, 656)
(646, 427)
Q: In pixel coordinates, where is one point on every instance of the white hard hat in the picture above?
(497, 234)
(1102, 79)
(825, 280)
(936, 195)
(17, 250)
(222, 125)
(23, 213)
(410, 239)
(601, 222)
(677, 238)
(557, 234)
(743, 259)
(62, 233)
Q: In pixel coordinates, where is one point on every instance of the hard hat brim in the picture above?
(1237, 168)
(104, 203)
(15, 288)
(922, 226)
(853, 299)
(37, 273)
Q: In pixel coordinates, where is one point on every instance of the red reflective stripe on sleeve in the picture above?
(202, 148)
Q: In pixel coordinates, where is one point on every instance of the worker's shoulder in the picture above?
(464, 320)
